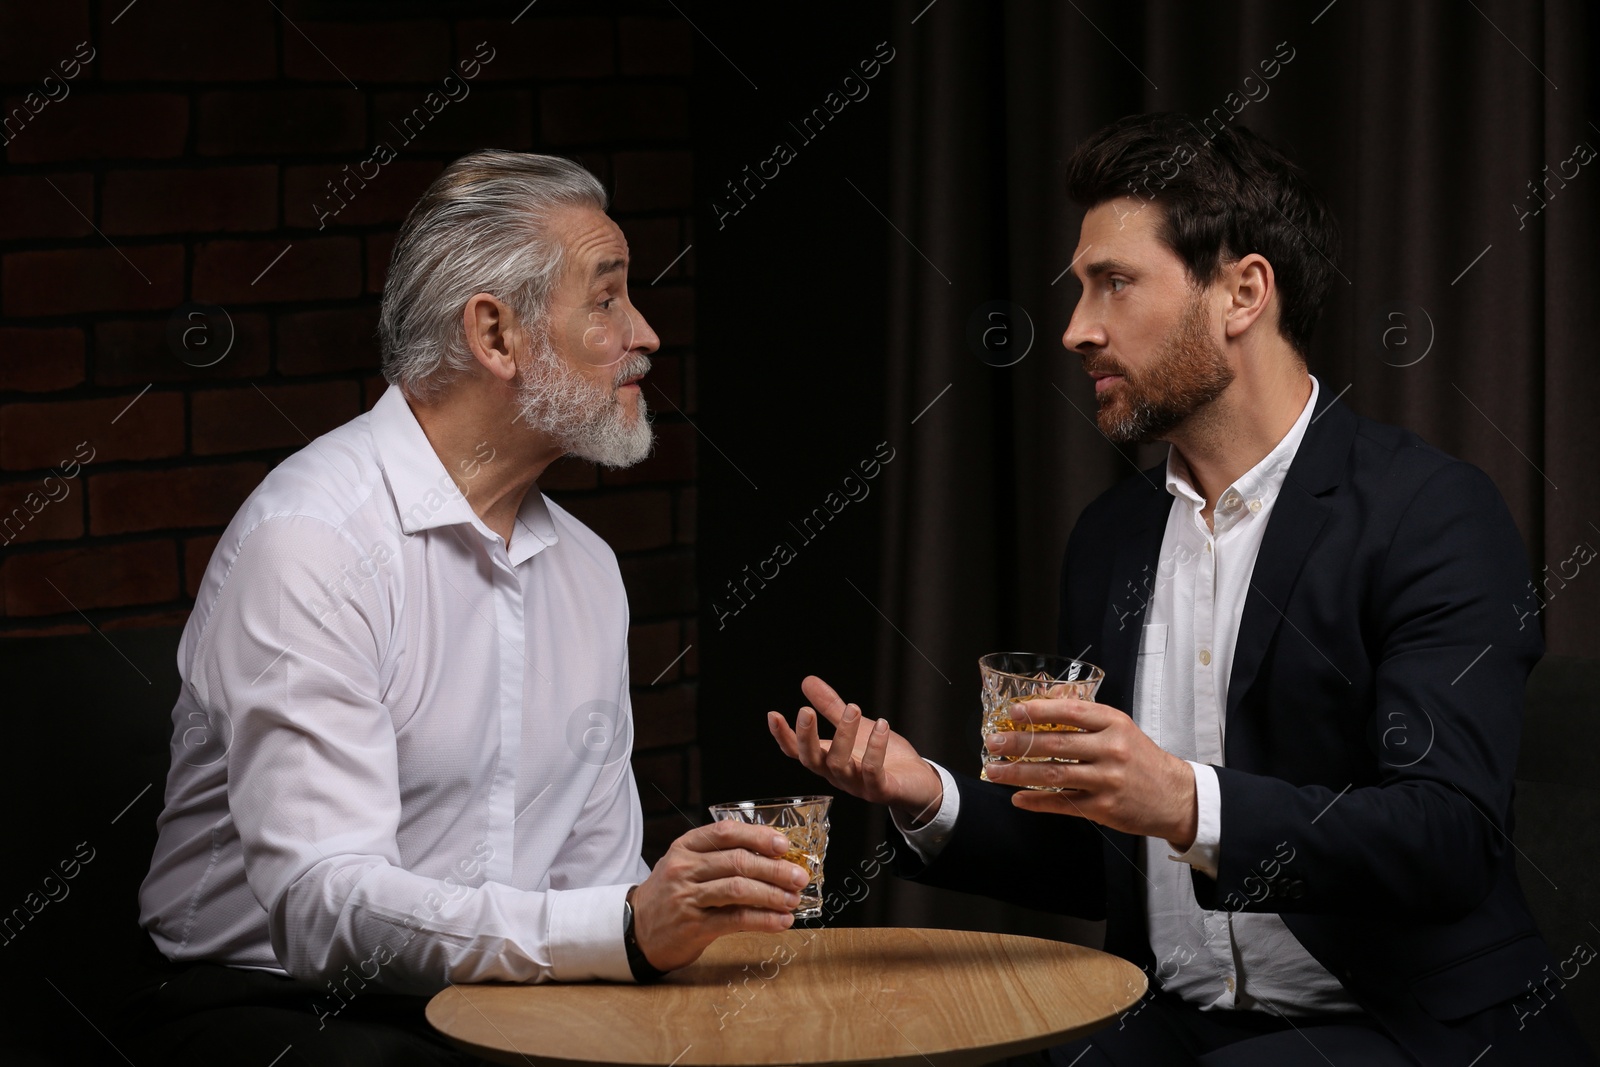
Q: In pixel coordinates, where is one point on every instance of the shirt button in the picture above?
(1208, 546)
(1231, 501)
(1255, 506)
(1228, 982)
(1205, 657)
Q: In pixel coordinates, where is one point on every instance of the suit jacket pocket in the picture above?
(1491, 977)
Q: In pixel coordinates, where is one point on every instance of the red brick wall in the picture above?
(160, 155)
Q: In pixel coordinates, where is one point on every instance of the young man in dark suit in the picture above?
(1292, 795)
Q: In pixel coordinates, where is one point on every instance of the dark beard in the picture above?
(1189, 373)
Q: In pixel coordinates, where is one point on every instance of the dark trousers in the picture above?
(1165, 1030)
(206, 1014)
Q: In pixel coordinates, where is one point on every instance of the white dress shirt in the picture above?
(1194, 602)
(402, 745)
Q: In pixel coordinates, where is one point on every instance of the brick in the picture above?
(270, 121)
(354, 200)
(313, 342)
(660, 831)
(660, 584)
(498, 117)
(687, 514)
(87, 125)
(543, 48)
(196, 556)
(567, 473)
(138, 351)
(670, 311)
(663, 716)
(36, 38)
(46, 205)
(132, 501)
(375, 50)
(59, 630)
(173, 619)
(627, 521)
(380, 249)
(371, 389)
(690, 396)
(37, 361)
(653, 245)
(37, 436)
(99, 576)
(672, 461)
(665, 382)
(189, 40)
(274, 416)
(595, 114)
(191, 201)
(41, 509)
(244, 272)
(70, 281)
(596, 163)
(652, 181)
(663, 781)
(656, 47)
(651, 647)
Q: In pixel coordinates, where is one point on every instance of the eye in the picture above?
(1117, 284)
(607, 302)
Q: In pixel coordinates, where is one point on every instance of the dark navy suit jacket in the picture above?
(1373, 720)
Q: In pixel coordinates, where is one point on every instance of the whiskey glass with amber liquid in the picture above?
(1011, 678)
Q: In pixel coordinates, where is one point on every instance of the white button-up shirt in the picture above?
(1215, 959)
(402, 745)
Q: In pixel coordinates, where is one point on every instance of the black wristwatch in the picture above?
(643, 970)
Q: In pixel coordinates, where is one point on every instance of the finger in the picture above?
(1067, 711)
(812, 747)
(740, 892)
(841, 754)
(785, 874)
(1053, 803)
(877, 753)
(731, 834)
(1034, 744)
(778, 726)
(823, 696)
(863, 732)
(736, 920)
(1073, 776)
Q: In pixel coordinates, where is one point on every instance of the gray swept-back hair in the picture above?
(482, 227)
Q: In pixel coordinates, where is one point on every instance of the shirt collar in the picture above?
(1258, 486)
(427, 497)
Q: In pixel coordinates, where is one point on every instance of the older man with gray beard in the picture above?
(411, 669)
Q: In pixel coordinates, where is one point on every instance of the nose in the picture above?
(1084, 332)
(644, 338)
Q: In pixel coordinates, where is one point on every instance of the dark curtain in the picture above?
(1464, 308)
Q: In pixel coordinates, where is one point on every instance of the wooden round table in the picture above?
(828, 996)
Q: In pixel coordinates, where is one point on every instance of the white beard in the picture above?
(587, 420)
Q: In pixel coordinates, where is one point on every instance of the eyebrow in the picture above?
(609, 266)
(1102, 267)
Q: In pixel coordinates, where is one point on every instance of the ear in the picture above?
(493, 334)
(1252, 287)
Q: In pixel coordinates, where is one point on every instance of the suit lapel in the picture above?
(1133, 571)
(1297, 518)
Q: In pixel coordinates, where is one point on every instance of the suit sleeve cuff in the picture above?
(1206, 851)
(586, 934)
(928, 840)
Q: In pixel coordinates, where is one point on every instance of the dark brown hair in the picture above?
(1223, 195)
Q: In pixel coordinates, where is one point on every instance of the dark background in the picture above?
(823, 318)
